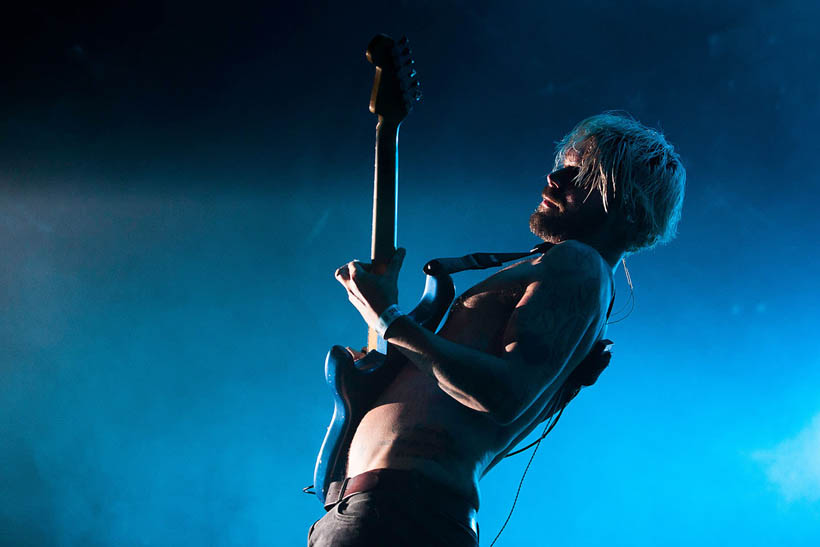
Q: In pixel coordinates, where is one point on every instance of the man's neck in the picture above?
(611, 255)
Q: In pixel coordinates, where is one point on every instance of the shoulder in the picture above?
(572, 263)
(556, 321)
(567, 293)
(567, 296)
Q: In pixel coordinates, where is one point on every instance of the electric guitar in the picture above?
(356, 385)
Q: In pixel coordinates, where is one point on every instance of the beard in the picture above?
(557, 227)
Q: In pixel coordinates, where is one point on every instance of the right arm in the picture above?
(546, 336)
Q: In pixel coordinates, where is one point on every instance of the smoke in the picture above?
(793, 466)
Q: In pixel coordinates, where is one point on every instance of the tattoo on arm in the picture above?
(552, 318)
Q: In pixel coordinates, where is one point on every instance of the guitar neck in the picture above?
(395, 89)
(385, 193)
(385, 204)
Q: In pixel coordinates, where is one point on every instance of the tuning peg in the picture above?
(407, 81)
(412, 94)
(415, 90)
(407, 71)
(401, 56)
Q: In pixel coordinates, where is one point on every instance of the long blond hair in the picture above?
(637, 172)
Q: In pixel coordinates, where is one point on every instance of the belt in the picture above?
(451, 503)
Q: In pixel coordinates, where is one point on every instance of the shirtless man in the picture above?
(476, 388)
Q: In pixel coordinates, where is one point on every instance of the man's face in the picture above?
(566, 210)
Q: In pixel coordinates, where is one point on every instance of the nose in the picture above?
(562, 177)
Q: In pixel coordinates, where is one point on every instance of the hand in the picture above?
(588, 370)
(371, 293)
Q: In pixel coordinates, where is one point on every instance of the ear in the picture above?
(622, 228)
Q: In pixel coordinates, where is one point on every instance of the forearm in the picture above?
(473, 378)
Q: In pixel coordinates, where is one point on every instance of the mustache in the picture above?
(553, 199)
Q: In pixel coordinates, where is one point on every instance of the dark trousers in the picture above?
(395, 517)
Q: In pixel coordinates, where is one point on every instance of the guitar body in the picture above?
(356, 386)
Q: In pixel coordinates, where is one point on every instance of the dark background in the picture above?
(179, 181)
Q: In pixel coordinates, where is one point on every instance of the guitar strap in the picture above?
(478, 261)
(482, 261)
(584, 375)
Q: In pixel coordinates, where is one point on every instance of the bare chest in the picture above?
(414, 423)
(478, 318)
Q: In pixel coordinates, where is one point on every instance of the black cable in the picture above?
(546, 432)
(631, 309)
(547, 429)
(631, 297)
(559, 400)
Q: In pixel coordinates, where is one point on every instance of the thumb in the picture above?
(396, 261)
(358, 268)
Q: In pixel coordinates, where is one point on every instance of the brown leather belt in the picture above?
(405, 482)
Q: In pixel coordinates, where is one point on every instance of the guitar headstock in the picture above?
(395, 87)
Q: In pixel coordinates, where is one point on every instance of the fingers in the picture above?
(398, 257)
(350, 270)
(342, 273)
(356, 269)
(347, 275)
(604, 345)
(396, 261)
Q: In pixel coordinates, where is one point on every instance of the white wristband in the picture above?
(386, 319)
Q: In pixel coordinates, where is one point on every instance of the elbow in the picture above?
(507, 408)
(513, 402)
(506, 416)
(502, 419)
(498, 407)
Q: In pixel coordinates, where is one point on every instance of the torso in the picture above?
(415, 425)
